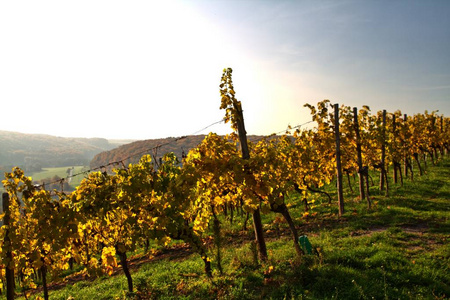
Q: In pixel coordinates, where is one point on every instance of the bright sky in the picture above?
(151, 69)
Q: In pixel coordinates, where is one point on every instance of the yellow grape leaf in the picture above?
(109, 261)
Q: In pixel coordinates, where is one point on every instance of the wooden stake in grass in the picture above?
(396, 162)
(383, 173)
(257, 222)
(236, 116)
(362, 195)
(338, 160)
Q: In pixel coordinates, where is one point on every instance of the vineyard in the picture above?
(223, 186)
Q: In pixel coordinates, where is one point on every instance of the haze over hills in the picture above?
(34, 151)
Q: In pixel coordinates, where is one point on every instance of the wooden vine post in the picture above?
(442, 132)
(434, 156)
(395, 175)
(383, 150)
(362, 195)
(236, 116)
(406, 159)
(397, 165)
(383, 173)
(338, 160)
(9, 269)
(257, 222)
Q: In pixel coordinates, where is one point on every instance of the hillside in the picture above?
(33, 151)
(132, 152)
(135, 150)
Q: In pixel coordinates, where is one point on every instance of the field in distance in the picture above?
(47, 174)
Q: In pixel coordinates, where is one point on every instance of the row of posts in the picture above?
(362, 171)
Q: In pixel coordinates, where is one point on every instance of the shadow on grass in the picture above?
(338, 281)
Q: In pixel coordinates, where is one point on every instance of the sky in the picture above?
(151, 69)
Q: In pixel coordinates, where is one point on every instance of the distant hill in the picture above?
(131, 153)
(134, 151)
(33, 151)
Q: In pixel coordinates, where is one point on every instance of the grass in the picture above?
(397, 250)
(61, 172)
